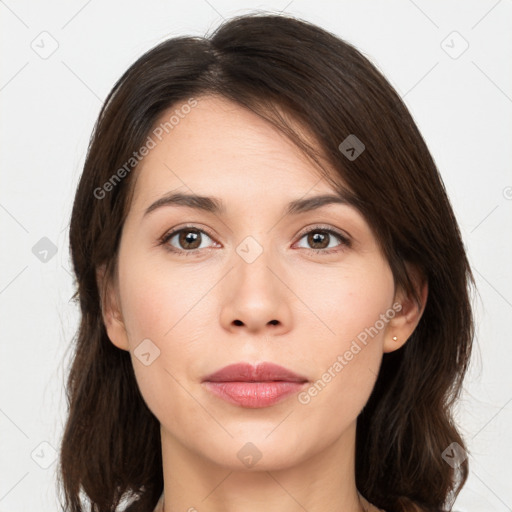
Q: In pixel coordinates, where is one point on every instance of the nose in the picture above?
(255, 298)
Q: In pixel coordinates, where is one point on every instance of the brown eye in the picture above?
(322, 240)
(186, 240)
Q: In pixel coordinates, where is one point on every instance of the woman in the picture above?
(273, 287)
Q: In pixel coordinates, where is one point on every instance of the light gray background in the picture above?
(462, 103)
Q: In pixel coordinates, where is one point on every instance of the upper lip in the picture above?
(263, 372)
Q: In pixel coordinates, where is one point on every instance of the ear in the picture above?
(110, 309)
(402, 325)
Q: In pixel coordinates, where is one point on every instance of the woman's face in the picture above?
(250, 282)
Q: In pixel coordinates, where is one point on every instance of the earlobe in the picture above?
(407, 318)
(110, 310)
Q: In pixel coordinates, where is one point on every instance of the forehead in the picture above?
(223, 149)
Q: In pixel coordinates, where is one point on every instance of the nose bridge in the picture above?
(255, 296)
(253, 263)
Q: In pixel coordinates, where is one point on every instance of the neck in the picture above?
(323, 481)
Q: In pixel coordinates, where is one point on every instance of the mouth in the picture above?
(251, 386)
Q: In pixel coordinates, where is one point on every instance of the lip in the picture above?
(254, 386)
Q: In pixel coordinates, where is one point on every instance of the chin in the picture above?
(255, 453)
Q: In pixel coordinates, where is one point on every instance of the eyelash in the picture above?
(344, 241)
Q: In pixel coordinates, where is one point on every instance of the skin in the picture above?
(211, 309)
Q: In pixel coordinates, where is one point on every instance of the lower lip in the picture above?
(254, 394)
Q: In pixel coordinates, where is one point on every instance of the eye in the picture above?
(320, 238)
(188, 240)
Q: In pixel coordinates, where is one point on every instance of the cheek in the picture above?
(165, 320)
(346, 303)
(158, 298)
(156, 320)
(348, 348)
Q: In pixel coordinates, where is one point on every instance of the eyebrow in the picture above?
(216, 206)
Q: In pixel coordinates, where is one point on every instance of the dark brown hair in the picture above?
(283, 69)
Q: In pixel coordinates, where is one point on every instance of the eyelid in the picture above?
(173, 231)
(328, 228)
